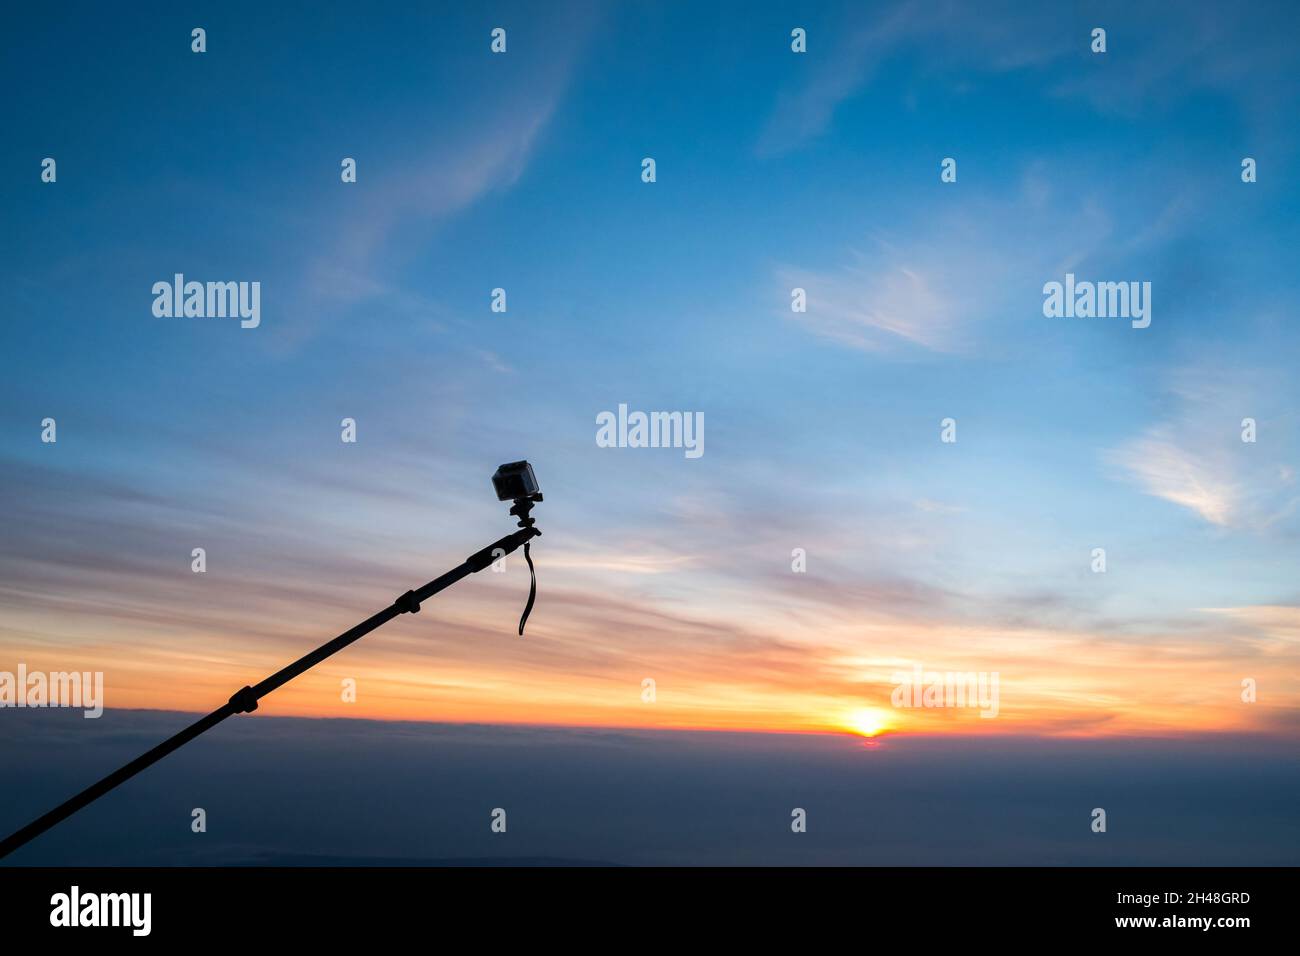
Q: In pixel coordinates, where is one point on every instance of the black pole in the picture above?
(245, 700)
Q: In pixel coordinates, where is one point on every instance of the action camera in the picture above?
(514, 481)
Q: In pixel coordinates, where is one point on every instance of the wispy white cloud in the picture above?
(1249, 59)
(1196, 457)
(937, 507)
(1246, 58)
(951, 32)
(1274, 630)
(451, 168)
(622, 562)
(1186, 477)
(804, 113)
(869, 307)
(932, 280)
(443, 180)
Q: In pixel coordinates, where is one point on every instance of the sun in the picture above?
(868, 721)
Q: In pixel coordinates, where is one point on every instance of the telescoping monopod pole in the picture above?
(245, 700)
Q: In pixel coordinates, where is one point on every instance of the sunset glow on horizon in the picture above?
(418, 670)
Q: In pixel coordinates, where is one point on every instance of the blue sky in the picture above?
(774, 170)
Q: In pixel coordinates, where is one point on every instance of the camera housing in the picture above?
(514, 481)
